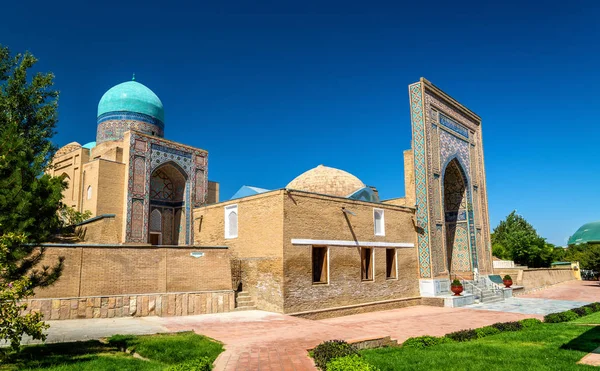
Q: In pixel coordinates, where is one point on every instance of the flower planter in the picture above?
(456, 289)
(507, 283)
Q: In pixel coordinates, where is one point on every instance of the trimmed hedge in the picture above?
(530, 322)
(330, 350)
(508, 326)
(468, 335)
(463, 335)
(425, 341)
(572, 314)
(350, 363)
(486, 331)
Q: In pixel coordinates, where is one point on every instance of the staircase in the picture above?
(484, 290)
(243, 301)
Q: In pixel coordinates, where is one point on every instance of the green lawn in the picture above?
(593, 319)
(161, 350)
(543, 347)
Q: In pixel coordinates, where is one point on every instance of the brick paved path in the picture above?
(571, 290)
(257, 340)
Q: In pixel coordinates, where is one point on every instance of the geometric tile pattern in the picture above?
(442, 132)
(458, 238)
(155, 152)
(418, 125)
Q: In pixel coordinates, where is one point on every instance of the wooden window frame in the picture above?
(367, 269)
(394, 267)
(324, 265)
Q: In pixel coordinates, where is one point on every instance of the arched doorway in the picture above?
(455, 213)
(167, 195)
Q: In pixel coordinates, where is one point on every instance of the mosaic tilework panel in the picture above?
(164, 152)
(418, 124)
(453, 147)
(155, 221)
(139, 175)
(457, 238)
(161, 155)
(454, 126)
(132, 116)
(476, 162)
(437, 239)
(167, 226)
(137, 218)
(114, 129)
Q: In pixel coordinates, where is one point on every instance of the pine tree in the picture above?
(29, 198)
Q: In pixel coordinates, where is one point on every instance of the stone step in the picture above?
(249, 307)
(243, 294)
(245, 299)
(492, 300)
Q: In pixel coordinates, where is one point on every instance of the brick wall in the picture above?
(125, 270)
(309, 216)
(258, 245)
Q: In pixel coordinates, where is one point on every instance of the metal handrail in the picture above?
(464, 280)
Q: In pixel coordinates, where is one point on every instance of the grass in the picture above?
(161, 350)
(591, 319)
(542, 347)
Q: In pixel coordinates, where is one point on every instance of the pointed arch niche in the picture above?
(167, 200)
(458, 256)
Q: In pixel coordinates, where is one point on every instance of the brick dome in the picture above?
(328, 181)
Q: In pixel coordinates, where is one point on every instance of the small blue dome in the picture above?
(131, 96)
(89, 145)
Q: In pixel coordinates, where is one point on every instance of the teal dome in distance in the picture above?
(587, 233)
(131, 96)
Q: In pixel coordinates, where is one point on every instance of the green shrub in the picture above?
(508, 326)
(561, 317)
(507, 277)
(463, 335)
(199, 364)
(329, 350)
(425, 341)
(581, 311)
(486, 331)
(595, 307)
(456, 282)
(529, 322)
(350, 363)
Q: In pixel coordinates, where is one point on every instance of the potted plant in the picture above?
(456, 287)
(507, 280)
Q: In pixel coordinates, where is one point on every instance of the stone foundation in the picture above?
(163, 305)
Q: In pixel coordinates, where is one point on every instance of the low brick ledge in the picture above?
(134, 305)
(358, 308)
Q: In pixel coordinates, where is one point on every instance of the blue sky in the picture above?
(274, 88)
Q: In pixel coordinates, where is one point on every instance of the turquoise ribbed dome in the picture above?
(131, 96)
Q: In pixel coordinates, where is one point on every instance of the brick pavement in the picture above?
(257, 340)
(571, 290)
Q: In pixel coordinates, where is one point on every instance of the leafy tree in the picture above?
(29, 198)
(69, 216)
(588, 255)
(516, 239)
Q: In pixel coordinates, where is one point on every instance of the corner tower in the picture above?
(450, 189)
(129, 106)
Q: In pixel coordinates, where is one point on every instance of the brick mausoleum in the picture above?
(160, 243)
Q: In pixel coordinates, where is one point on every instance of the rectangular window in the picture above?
(320, 264)
(367, 254)
(231, 221)
(391, 269)
(379, 222)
